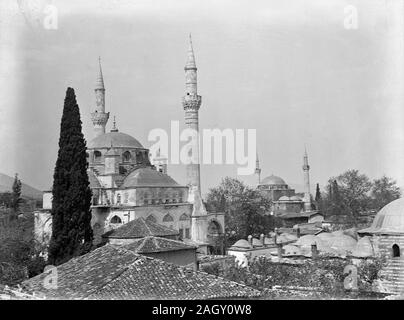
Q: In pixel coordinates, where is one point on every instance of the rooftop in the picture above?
(113, 272)
(140, 228)
(148, 177)
(115, 139)
(156, 244)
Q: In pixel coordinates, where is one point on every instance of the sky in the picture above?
(290, 69)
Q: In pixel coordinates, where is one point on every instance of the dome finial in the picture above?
(114, 128)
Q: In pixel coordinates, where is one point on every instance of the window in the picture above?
(181, 232)
(187, 233)
(126, 156)
(125, 197)
(168, 218)
(97, 156)
(118, 198)
(151, 218)
(184, 217)
(116, 219)
(396, 251)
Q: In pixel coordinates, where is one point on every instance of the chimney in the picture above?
(314, 251)
(276, 235)
(262, 239)
(279, 247)
(250, 239)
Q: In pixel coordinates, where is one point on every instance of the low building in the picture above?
(114, 272)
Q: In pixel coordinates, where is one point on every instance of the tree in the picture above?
(351, 191)
(318, 194)
(246, 210)
(384, 190)
(71, 214)
(16, 194)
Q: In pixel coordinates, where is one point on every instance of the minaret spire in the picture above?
(99, 117)
(258, 169)
(306, 178)
(191, 56)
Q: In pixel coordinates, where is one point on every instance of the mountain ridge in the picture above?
(27, 191)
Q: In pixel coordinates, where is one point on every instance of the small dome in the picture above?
(273, 180)
(115, 139)
(284, 198)
(390, 219)
(363, 248)
(148, 177)
(242, 244)
(326, 237)
(343, 242)
(308, 240)
(291, 250)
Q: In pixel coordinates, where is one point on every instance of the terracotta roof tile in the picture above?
(140, 228)
(156, 244)
(113, 272)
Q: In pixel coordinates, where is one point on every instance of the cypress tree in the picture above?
(71, 214)
(318, 193)
(16, 194)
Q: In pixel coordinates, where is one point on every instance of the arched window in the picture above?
(151, 218)
(97, 156)
(184, 217)
(396, 251)
(168, 218)
(126, 156)
(116, 219)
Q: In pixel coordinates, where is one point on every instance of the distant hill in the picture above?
(27, 191)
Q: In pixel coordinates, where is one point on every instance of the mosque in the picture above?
(291, 207)
(127, 185)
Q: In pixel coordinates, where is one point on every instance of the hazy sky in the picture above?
(286, 68)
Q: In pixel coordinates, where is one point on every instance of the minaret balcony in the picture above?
(99, 118)
(191, 102)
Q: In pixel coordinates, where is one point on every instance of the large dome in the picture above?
(148, 177)
(115, 139)
(273, 180)
(390, 219)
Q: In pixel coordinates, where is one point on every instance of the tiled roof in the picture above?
(140, 228)
(148, 177)
(113, 272)
(156, 244)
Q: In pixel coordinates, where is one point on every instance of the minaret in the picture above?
(160, 162)
(191, 103)
(306, 178)
(258, 170)
(99, 117)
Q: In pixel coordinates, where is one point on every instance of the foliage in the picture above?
(246, 210)
(352, 193)
(16, 194)
(71, 215)
(19, 253)
(384, 190)
(323, 276)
